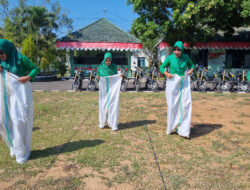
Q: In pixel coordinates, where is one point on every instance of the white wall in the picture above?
(163, 54)
(134, 59)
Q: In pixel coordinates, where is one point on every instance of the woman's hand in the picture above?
(98, 77)
(1, 69)
(24, 79)
(168, 75)
(189, 72)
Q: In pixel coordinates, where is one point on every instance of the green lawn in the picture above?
(69, 151)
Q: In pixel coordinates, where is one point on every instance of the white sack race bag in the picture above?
(109, 93)
(179, 101)
(16, 119)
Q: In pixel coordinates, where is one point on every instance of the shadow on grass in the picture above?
(199, 130)
(66, 147)
(36, 128)
(134, 124)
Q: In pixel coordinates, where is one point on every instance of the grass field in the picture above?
(69, 151)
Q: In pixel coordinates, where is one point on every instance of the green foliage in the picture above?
(62, 68)
(40, 23)
(49, 59)
(150, 50)
(1, 33)
(190, 21)
(29, 49)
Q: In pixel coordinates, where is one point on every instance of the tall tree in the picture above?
(4, 10)
(38, 23)
(188, 20)
(29, 49)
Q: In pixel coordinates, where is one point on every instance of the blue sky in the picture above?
(84, 12)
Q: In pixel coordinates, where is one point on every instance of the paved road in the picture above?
(66, 85)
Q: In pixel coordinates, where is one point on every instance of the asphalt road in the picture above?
(66, 85)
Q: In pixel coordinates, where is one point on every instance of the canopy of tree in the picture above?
(188, 20)
(33, 28)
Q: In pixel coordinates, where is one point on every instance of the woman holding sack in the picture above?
(109, 92)
(16, 102)
(178, 91)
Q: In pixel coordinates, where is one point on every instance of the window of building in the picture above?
(141, 61)
(238, 59)
(200, 58)
(96, 57)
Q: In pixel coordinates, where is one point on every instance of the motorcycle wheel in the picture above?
(137, 86)
(193, 86)
(124, 86)
(155, 86)
(243, 86)
(76, 84)
(91, 87)
(202, 85)
(225, 86)
(214, 85)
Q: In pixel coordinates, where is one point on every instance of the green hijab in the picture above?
(105, 70)
(107, 55)
(13, 61)
(179, 44)
(180, 60)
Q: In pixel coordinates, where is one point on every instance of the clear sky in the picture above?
(85, 12)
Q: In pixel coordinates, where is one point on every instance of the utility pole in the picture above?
(105, 12)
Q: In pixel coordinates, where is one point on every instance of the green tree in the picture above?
(49, 59)
(188, 20)
(29, 49)
(150, 50)
(4, 10)
(40, 23)
(1, 33)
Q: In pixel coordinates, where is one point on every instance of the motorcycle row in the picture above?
(222, 81)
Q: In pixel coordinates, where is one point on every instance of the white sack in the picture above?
(16, 119)
(179, 101)
(109, 93)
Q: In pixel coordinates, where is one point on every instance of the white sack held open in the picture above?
(179, 101)
(16, 119)
(109, 93)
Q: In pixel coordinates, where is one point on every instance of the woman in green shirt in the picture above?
(178, 62)
(16, 63)
(178, 90)
(17, 123)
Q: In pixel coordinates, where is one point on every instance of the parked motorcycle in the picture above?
(138, 76)
(202, 79)
(225, 84)
(218, 76)
(77, 81)
(193, 80)
(124, 83)
(242, 83)
(92, 78)
(151, 82)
